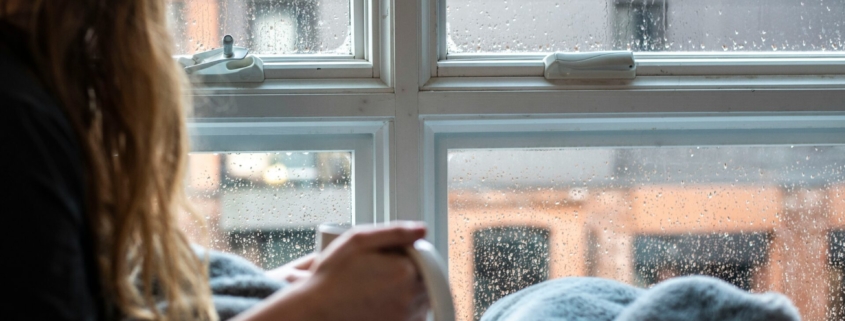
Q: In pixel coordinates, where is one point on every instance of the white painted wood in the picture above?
(615, 130)
(657, 83)
(490, 68)
(406, 145)
(358, 15)
(784, 122)
(282, 127)
(501, 101)
(319, 70)
(281, 59)
(662, 55)
(434, 214)
(481, 105)
(428, 35)
(669, 83)
(268, 137)
(442, 49)
(372, 23)
(384, 173)
(313, 106)
(296, 87)
(649, 64)
(364, 62)
(384, 47)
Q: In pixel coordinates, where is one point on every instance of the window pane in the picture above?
(265, 206)
(269, 27)
(765, 218)
(644, 25)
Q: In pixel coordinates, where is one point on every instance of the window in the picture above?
(480, 38)
(267, 175)
(639, 201)
(455, 91)
(265, 206)
(269, 27)
(479, 26)
(642, 215)
(294, 38)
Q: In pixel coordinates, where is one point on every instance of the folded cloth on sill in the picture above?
(236, 284)
(691, 298)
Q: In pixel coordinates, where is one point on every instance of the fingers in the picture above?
(382, 238)
(293, 271)
(296, 275)
(304, 263)
(371, 238)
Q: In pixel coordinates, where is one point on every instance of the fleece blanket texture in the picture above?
(692, 298)
(236, 284)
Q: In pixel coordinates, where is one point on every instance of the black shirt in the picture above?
(47, 249)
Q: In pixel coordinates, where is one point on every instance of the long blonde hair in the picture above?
(110, 65)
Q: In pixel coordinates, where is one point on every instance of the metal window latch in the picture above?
(591, 65)
(227, 64)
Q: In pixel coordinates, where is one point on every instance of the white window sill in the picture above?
(649, 64)
(491, 97)
(297, 98)
(296, 86)
(639, 83)
(318, 70)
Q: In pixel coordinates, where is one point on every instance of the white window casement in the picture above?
(336, 45)
(420, 87)
(475, 52)
(364, 140)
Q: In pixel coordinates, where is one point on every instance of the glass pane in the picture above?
(644, 25)
(765, 218)
(269, 27)
(265, 206)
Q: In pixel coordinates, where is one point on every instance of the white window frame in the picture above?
(413, 102)
(611, 131)
(362, 63)
(367, 69)
(528, 67)
(371, 201)
(418, 105)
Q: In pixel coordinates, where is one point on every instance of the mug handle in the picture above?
(429, 262)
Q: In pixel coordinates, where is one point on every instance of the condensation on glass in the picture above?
(266, 206)
(644, 25)
(269, 27)
(764, 218)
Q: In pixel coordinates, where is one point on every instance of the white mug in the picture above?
(428, 261)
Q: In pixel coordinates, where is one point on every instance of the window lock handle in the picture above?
(228, 46)
(227, 64)
(590, 65)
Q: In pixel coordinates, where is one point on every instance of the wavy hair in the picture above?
(110, 65)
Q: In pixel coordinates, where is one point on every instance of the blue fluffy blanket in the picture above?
(238, 284)
(696, 298)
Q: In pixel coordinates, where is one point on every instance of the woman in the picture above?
(95, 112)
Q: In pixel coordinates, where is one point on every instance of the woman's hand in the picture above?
(297, 270)
(363, 275)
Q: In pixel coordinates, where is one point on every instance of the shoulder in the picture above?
(44, 158)
(55, 276)
(25, 102)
